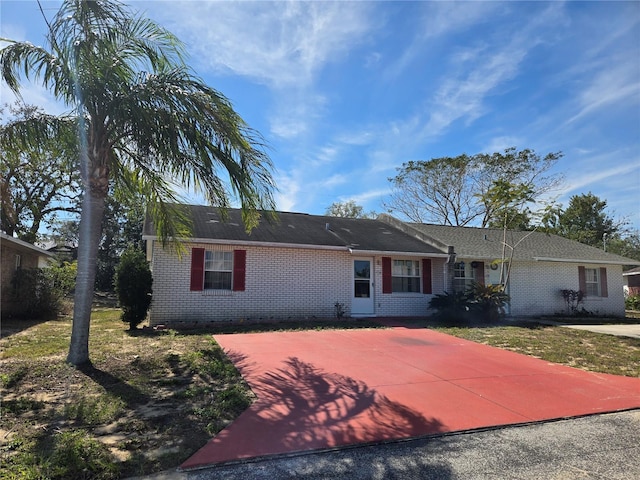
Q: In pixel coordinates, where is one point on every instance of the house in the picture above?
(313, 266)
(542, 265)
(302, 266)
(16, 254)
(631, 281)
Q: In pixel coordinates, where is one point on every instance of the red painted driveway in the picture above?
(323, 389)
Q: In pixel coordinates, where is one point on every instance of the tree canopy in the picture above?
(472, 190)
(38, 182)
(586, 220)
(348, 209)
(142, 121)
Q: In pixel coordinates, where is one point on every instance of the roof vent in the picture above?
(327, 226)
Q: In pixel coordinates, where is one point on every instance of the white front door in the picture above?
(362, 299)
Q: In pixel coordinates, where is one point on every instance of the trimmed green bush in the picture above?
(133, 284)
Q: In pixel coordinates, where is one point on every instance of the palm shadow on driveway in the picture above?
(302, 407)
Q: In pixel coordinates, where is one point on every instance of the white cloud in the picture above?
(287, 196)
(276, 43)
(616, 82)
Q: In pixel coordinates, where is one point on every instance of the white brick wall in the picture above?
(281, 283)
(535, 289)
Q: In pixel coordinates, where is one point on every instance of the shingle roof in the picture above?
(305, 230)
(24, 246)
(486, 243)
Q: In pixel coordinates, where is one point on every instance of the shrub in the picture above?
(572, 298)
(39, 292)
(133, 283)
(487, 300)
(632, 302)
(450, 306)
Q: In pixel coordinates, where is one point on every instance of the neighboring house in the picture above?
(631, 280)
(303, 266)
(16, 254)
(542, 266)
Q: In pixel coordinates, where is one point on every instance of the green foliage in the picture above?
(133, 284)
(632, 302)
(477, 189)
(586, 220)
(450, 307)
(39, 292)
(484, 302)
(76, 455)
(348, 209)
(487, 300)
(37, 181)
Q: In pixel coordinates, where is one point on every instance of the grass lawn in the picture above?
(151, 399)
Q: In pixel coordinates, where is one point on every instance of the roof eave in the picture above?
(584, 260)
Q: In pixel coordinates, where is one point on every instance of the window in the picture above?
(592, 283)
(218, 269)
(405, 276)
(460, 278)
(18, 261)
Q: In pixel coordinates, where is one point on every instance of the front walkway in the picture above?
(326, 389)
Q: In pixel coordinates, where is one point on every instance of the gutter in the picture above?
(583, 260)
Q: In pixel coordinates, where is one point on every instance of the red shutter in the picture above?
(386, 275)
(604, 290)
(426, 275)
(239, 270)
(582, 280)
(197, 269)
(479, 273)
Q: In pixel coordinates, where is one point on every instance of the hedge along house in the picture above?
(16, 254)
(542, 266)
(302, 266)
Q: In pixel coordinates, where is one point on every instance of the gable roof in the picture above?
(487, 243)
(302, 230)
(633, 271)
(24, 246)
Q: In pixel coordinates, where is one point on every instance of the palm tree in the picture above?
(143, 121)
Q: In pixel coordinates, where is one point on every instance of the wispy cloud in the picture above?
(276, 43)
(615, 83)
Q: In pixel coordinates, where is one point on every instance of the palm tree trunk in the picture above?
(88, 244)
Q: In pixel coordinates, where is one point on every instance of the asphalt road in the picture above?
(605, 446)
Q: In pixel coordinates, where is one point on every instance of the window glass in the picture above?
(405, 276)
(592, 282)
(218, 267)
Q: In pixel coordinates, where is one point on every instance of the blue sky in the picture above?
(345, 92)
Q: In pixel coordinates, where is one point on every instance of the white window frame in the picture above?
(399, 271)
(218, 265)
(593, 285)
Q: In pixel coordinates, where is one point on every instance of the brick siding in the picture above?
(281, 283)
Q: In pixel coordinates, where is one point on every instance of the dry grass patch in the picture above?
(148, 401)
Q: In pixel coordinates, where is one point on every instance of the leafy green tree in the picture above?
(626, 246)
(36, 183)
(458, 190)
(348, 209)
(587, 221)
(133, 284)
(142, 120)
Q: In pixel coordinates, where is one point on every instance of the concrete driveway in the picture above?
(329, 389)
(622, 330)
